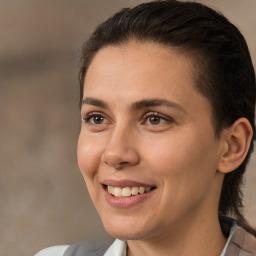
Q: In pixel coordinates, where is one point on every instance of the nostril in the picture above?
(117, 165)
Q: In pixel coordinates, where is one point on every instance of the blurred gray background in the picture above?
(43, 198)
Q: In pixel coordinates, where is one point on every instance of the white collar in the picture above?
(118, 248)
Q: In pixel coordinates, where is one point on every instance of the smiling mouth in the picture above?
(127, 191)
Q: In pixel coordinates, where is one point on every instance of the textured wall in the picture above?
(43, 198)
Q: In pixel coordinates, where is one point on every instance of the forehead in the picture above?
(148, 62)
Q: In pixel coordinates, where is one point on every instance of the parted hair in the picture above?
(224, 71)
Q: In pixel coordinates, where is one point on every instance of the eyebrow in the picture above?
(95, 102)
(145, 103)
(156, 102)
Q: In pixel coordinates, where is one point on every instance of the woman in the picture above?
(167, 106)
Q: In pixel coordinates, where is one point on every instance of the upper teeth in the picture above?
(127, 191)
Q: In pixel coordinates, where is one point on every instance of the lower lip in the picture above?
(126, 202)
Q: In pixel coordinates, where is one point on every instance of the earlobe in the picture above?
(237, 139)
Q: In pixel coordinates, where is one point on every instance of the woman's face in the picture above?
(147, 148)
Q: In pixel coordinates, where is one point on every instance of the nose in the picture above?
(121, 150)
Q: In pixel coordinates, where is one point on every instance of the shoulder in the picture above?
(82, 248)
(53, 251)
(242, 242)
(90, 248)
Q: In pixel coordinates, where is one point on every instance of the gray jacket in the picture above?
(241, 244)
(85, 249)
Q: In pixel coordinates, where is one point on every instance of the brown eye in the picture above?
(154, 120)
(97, 119)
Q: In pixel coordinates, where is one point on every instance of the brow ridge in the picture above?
(145, 103)
(154, 103)
(95, 102)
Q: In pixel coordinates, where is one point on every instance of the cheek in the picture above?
(184, 162)
(187, 149)
(88, 155)
(169, 156)
(185, 169)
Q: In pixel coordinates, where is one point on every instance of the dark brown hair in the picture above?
(225, 74)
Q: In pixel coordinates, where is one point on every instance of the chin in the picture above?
(125, 230)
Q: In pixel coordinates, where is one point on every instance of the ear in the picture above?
(237, 139)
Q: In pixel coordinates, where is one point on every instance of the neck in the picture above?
(201, 237)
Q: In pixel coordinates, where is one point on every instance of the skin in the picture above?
(172, 147)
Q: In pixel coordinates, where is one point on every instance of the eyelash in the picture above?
(158, 115)
(91, 115)
(145, 118)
